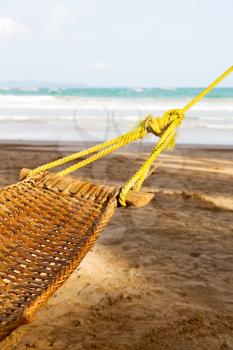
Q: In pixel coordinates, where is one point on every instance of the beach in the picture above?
(140, 95)
(159, 277)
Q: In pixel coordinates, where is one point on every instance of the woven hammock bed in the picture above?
(48, 221)
(47, 225)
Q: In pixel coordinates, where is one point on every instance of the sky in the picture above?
(116, 43)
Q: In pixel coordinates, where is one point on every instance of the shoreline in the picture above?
(79, 144)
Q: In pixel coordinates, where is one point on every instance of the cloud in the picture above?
(100, 66)
(60, 16)
(10, 27)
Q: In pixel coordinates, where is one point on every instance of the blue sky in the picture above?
(116, 43)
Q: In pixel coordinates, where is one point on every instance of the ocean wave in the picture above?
(157, 105)
(28, 89)
(214, 126)
(211, 116)
(127, 120)
(4, 88)
(168, 88)
(120, 92)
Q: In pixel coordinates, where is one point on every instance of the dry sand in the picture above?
(160, 277)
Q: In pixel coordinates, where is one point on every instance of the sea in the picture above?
(78, 114)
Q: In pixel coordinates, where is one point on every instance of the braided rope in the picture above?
(163, 127)
(139, 176)
(85, 152)
(208, 89)
(123, 141)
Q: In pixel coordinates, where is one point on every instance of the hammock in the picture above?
(49, 222)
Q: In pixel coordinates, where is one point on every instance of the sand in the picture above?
(159, 277)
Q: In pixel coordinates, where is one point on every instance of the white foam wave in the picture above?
(158, 103)
(28, 89)
(213, 116)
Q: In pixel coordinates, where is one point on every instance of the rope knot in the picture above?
(174, 115)
(158, 125)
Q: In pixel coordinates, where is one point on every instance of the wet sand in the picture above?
(159, 277)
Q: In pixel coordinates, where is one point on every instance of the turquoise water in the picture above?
(97, 114)
(114, 92)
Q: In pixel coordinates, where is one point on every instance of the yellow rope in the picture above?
(128, 136)
(123, 141)
(163, 127)
(166, 128)
(208, 89)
